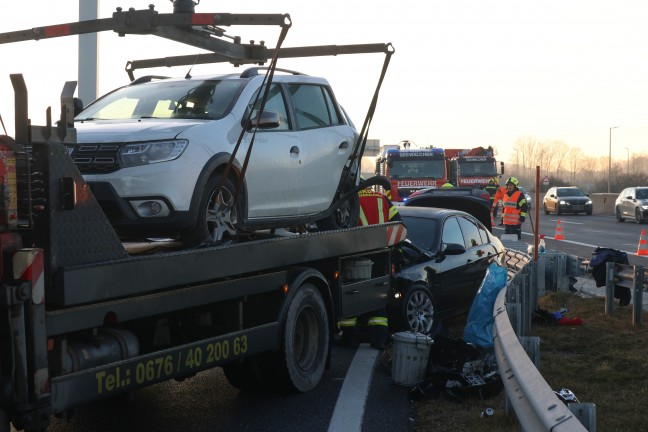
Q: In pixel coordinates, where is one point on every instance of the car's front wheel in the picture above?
(619, 218)
(419, 310)
(218, 214)
(546, 211)
(638, 216)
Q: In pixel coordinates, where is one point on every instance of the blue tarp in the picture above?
(479, 327)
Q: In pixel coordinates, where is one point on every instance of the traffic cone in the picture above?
(559, 234)
(641, 249)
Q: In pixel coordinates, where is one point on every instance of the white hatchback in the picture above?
(156, 155)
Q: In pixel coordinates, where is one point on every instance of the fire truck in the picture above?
(472, 167)
(85, 317)
(410, 169)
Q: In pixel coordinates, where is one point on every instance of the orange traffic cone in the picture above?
(559, 234)
(641, 249)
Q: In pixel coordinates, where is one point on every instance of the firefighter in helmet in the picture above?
(495, 199)
(375, 208)
(515, 208)
(447, 185)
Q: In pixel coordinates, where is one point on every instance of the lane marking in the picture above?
(350, 405)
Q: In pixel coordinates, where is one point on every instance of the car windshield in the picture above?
(205, 99)
(642, 193)
(422, 232)
(569, 192)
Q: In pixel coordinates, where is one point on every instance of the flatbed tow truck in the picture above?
(84, 319)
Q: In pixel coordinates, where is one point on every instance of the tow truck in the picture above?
(84, 317)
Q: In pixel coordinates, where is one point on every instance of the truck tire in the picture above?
(305, 341)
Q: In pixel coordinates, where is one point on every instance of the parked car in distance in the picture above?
(155, 151)
(439, 267)
(567, 199)
(632, 203)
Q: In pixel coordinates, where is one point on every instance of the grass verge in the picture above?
(603, 361)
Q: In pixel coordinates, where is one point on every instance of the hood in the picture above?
(98, 131)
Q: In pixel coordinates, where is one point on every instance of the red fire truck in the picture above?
(472, 167)
(410, 170)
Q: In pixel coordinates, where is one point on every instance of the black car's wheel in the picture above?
(619, 218)
(546, 211)
(558, 211)
(419, 311)
(588, 212)
(218, 215)
(345, 215)
(638, 216)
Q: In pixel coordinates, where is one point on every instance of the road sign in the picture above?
(545, 180)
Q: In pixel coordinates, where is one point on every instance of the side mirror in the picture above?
(78, 106)
(263, 120)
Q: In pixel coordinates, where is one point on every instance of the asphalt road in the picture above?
(355, 395)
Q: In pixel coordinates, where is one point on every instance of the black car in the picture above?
(569, 199)
(632, 203)
(440, 266)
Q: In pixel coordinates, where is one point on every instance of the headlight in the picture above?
(562, 202)
(151, 152)
(588, 202)
(645, 207)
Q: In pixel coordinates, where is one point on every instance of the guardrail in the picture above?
(536, 405)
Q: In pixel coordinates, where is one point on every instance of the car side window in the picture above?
(470, 232)
(274, 103)
(452, 232)
(311, 110)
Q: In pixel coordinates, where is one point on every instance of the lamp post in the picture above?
(628, 150)
(610, 157)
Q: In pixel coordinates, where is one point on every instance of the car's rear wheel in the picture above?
(218, 214)
(419, 310)
(619, 218)
(638, 216)
(345, 215)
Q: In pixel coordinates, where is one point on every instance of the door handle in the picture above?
(344, 145)
(294, 150)
(353, 291)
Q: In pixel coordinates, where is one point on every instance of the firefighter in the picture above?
(492, 188)
(499, 196)
(515, 208)
(375, 208)
(447, 185)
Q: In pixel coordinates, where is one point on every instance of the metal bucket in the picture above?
(410, 357)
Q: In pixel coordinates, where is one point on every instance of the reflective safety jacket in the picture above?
(375, 208)
(499, 196)
(492, 190)
(515, 208)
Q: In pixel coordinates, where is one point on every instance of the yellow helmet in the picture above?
(513, 181)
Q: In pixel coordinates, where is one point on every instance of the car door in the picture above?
(454, 282)
(550, 200)
(275, 167)
(477, 254)
(628, 204)
(326, 141)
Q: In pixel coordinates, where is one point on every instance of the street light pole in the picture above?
(610, 157)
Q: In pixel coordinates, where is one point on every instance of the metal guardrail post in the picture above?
(541, 274)
(525, 322)
(637, 296)
(531, 345)
(610, 274)
(560, 273)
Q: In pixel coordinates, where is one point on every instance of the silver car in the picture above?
(155, 152)
(632, 203)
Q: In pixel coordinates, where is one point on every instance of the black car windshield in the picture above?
(642, 193)
(422, 232)
(569, 192)
(205, 99)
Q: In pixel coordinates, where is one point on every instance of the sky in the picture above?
(465, 73)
